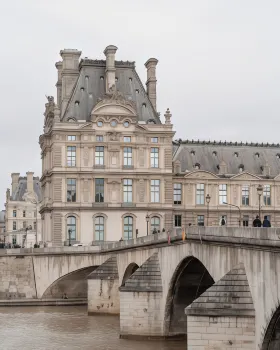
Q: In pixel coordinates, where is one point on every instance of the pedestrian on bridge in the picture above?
(257, 222)
(266, 222)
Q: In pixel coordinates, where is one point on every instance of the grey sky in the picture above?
(218, 68)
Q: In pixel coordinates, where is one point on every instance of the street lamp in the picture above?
(208, 198)
(260, 192)
(236, 206)
(147, 219)
(36, 203)
(69, 236)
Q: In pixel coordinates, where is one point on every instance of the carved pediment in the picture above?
(114, 103)
(201, 175)
(245, 176)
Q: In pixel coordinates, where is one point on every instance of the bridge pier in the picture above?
(103, 289)
(141, 307)
(223, 317)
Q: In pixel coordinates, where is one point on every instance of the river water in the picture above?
(68, 327)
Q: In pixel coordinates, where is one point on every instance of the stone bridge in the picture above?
(220, 287)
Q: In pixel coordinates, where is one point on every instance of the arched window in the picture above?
(128, 227)
(71, 225)
(155, 223)
(99, 228)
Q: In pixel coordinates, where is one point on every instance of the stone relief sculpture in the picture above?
(86, 156)
(86, 191)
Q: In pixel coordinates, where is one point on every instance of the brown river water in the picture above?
(69, 327)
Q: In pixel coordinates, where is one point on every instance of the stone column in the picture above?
(140, 302)
(224, 316)
(103, 289)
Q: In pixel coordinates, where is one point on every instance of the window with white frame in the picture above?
(177, 193)
(99, 228)
(154, 139)
(99, 138)
(127, 156)
(14, 213)
(71, 156)
(127, 190)
(71, 138)
(128, 227)
(178, 220)
(266, 195)
(200, 220)
(99, 190)
(71, 228)
(245, 195)
(71, 190)
(14, 225)
(155, 224)
(222, 194)
(155, 191)
(200, 194)
(126, 139)
(154, 157)
(99, 155)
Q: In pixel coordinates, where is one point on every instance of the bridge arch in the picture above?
(73, 284)
(272, 334)
(131, 268)
(190, 279)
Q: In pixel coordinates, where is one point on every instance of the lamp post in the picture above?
(208, 198)
(236, 206)
(69, 236)
(260, 192)
(36, 218)
(147, 220)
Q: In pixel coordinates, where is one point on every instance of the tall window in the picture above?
(99, 228)
(200, 220)
(245, 220)
(127, 156)
(35, 225)
(128, 227)
(14, 225)
(154, 157)
(24, 213)
(200, 194)
(266, 195)
(14, 213)
(178, 220)
(155, 188)
(245, 195)
(71, 138)
(99, 155)
(127, 191)
(71, 156)
(24, 224)
(99, 190)
(14, 240)
(71, 190)
(155, 224)
(222, 194)
(177, 193)
(71, 225)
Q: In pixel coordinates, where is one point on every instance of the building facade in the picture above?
(23, 219)
(107, 158)
(111, 170)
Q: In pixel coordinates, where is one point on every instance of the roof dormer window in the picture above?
(257, 155)
(278, 155)
(192, 153)
(241, 168)
(197, 166)
(214, 153)
(236, 154)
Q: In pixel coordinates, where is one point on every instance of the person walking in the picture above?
(266, 222)
(257, 222)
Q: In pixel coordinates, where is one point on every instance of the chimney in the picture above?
(152, 81)
(69, 74)
(29, 175)
(15, 177)
(58, 85)
(110, 52)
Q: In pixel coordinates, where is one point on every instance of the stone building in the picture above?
(106, 156)
(22, 219)
(110, 169)
(2, 223)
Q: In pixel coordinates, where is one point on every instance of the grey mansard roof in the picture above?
(22, 187)
(209, 155)
(90, 86)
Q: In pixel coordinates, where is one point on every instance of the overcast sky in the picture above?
(218, 71)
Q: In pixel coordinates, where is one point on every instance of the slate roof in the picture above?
(230, 296)
(90, 86)
(22, 187)
(210, 155)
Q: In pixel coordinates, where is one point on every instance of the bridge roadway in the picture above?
(152, 284)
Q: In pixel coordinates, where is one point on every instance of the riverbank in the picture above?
(43, 302)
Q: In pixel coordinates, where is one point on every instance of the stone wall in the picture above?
(103, 296)
(221, 333)
(17, 278)
(140, 314)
